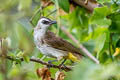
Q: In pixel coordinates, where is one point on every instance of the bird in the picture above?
(51, 45)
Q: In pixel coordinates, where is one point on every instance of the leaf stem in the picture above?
(110, 45)
(58, 17)
(35, 15)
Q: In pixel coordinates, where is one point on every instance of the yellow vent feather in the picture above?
(72, 57)
(117, 52)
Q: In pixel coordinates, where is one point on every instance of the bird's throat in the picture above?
(40, 32)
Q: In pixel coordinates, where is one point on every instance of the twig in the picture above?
(51, 13)
(3, 66)
(68, 68)
(80, 46)
(0, 44)
(35, 15)
(41, 11)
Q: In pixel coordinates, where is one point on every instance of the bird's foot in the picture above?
(62, 63)
(62, 66)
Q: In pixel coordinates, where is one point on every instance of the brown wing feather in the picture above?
(59, 43)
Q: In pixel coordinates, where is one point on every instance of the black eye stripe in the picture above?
(45, 22)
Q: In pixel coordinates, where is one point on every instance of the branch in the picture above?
(88, 4)
(84, 50)
(66, 68)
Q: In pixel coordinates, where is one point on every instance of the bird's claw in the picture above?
(62, 65)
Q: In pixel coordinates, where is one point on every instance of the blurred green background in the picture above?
(99, 32)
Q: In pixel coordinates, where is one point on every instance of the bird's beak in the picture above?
(53, 22)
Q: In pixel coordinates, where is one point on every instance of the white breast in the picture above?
(47, 49)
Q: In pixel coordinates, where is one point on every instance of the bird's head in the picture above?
(44, 23)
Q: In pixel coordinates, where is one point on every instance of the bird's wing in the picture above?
(59, 43)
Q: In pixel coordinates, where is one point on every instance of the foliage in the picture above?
(99, 32)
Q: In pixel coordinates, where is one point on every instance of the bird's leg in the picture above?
(62, 63)
(50, 63)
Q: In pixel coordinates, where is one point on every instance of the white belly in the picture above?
(52, 52)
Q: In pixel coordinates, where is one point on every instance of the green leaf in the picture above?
(103, 1)
(97, 32)
(78, 23)
(18, 61)
(36, 18)
(20, 54)
(64, 4)
(1, 76)
(118, 43)
(115, 8)
(87, 70)
(14, 71)
(103, 57)
(12, 55)
(115, 25)
(80, 72)
(99, 17)
(26, 59)
(116, 40)
(78, 18)
(25, 40)
(100, 42)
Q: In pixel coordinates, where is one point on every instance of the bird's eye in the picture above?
(45, 22)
